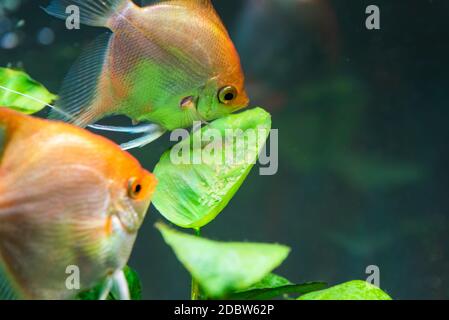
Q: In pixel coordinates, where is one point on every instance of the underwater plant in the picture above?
(191, 195)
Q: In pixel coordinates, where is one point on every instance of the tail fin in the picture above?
(91, 12)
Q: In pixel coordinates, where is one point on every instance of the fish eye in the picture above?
(227, 94)
(134, 188)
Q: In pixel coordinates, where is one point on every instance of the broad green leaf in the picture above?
(353, 290)
(266, 294)
(19, 81)
(270, 281)
(135, 288)
(273, 286)
(224, 267)
(190, 195)
(93, 293)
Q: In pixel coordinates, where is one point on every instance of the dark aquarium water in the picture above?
(362, 115)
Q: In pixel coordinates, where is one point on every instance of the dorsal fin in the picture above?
(206, 3)
(201, 4)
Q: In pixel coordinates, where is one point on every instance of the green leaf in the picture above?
(353, 290)
(220, 267)
(21, 82)
(134, 285)
(93, 293)
(273, 286)
(266, 294)
(270, 281)
(191, 195)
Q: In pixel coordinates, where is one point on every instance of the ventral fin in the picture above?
(120, 286)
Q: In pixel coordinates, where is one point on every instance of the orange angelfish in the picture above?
(170, 63)
(68, 199)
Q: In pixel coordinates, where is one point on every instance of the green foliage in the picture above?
(92, 294)
(273, 286)
(270, 281)
(353, 290)
(191, 195)
(134, 285)
(221, 268)
(19, 81)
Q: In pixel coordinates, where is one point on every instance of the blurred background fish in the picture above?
(170, 63)
(268, 33)
(67, 198)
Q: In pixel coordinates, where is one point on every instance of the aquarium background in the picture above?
(363, 138)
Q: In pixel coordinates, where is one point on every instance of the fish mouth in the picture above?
(241, 107)
(243, 101)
